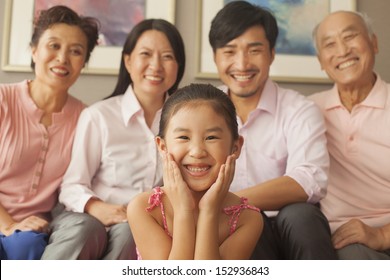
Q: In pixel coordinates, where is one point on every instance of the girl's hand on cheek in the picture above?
(175, 187)
(215, 196)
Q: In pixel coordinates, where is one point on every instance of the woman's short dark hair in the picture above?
(198, 94)
(235, 18)
(62, 14)
(175, 40)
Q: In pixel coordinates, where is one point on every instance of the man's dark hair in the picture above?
(235, 18)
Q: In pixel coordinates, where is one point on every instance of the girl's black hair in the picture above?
(199, 94)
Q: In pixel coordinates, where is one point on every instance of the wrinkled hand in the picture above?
(175, 187)
(30, 223)
(107, 214)
(355, 231)
(215, 196)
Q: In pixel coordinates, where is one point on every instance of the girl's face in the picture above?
(60, 55)
(198, 145)
(152, 64)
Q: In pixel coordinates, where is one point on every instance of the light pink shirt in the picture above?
(283, 136)
(114, 154)
(359, 146)
(33, 159)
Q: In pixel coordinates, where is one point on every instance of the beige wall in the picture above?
(91, 88)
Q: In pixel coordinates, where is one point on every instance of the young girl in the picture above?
(194, 216)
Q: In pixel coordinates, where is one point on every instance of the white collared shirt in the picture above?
(114, 154)
(283, 136)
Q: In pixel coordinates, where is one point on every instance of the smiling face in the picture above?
(346, 51)
(60, 55)
(243, 64)
(198, 146)
(152, 64)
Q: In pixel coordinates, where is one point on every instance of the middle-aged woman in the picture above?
(37, 122)
(114, 155)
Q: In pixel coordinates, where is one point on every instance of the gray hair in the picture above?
(364, 17)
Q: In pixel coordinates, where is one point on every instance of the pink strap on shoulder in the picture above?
(155, 200)
(235, 210)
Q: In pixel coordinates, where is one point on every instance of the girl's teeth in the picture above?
(197, 169)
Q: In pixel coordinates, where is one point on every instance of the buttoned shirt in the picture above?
(359, 147)
(33, 158)
(114, 155)
(283, 136)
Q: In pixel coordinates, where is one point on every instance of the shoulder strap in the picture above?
(235, 210)
(155, 200)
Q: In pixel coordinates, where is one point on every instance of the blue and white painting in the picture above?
(296, 20)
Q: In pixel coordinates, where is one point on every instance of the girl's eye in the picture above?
(211, 137)
(183, 137)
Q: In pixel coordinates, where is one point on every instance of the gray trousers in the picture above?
(299, 232)
(362, 252)
(81, 236)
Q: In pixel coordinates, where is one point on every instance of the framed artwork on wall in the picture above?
(295, 59)
(116, 18)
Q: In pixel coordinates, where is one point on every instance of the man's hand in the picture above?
(355, 231)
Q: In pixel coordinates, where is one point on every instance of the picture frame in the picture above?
(281, 70)
(18, 21)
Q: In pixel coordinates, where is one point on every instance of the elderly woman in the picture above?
(37, 122)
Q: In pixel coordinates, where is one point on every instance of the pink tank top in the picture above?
(155, 200)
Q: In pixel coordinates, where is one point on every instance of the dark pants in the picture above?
(362, 252)
(299, 232)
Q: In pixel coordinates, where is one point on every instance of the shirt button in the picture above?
(45, 136)
(38, 174)
(35, 186)
(44, 148)
(41, 160)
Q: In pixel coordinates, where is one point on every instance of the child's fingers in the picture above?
(176, 172)
(171, 169)
(219, 183)
(230, 169)
(165, 167)
(167, 170)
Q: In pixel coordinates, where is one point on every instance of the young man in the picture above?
(284, 161)
(357, 116)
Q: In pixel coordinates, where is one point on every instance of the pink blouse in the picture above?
(33, 158)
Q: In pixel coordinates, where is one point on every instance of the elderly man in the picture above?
(357, 116)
